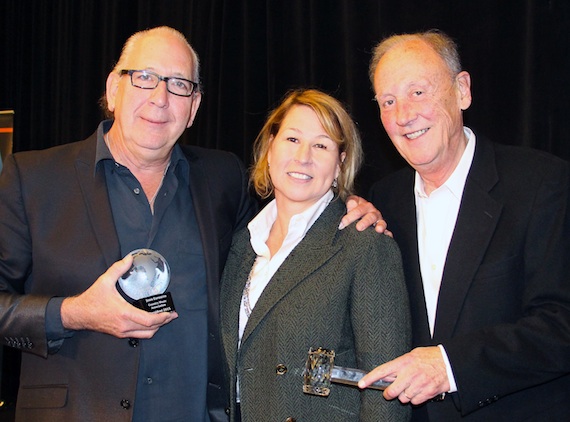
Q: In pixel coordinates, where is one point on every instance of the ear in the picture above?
(342, 158)
(463, 80)
(269, 149)
(196, 100)
(111, 88)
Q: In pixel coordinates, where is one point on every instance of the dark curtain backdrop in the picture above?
(56, 56)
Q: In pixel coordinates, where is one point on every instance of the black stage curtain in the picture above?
(56, 56)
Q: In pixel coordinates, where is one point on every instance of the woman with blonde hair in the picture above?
(293, 281)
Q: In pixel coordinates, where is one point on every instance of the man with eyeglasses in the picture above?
(69, 213)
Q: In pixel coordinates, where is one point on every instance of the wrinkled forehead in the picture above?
(410, 61)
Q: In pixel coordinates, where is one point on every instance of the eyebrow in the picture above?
(174, 75)
(324, 135)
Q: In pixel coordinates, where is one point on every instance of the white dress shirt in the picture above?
(265, 265)
(436, 214)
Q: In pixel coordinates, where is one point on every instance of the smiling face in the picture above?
(421, 107)
(303, 160)
(148, 122)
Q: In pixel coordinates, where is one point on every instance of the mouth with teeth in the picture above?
(300, 176)
(416, 134)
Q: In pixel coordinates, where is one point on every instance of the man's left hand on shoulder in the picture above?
(360, 209)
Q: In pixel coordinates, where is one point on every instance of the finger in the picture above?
(381, 227)
(405, 397)
(119, 268)
(366, 218)
(351, 203)
(370, 219)
(376, 374)
(143, 320)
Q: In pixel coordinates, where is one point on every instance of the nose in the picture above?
(159, 95)
(303, 153)
(405, 113)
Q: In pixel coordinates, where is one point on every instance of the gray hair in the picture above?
(129, 46)
(441, 43)
(133, 39)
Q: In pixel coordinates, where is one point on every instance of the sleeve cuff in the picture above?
(450, 377)
(55, 332)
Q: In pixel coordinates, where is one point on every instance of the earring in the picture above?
(335, 183)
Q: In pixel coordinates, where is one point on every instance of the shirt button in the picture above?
(133, 342)
(125, 404)
(136, 191)
(149, 380)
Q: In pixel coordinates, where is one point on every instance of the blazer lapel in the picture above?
(199, 189)
(96, 199)
(404, 226)
(232, 292)
(311, 253)
(476, 223)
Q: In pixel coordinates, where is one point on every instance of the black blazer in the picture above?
(503, 314)
(56, 237)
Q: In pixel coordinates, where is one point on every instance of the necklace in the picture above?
(151, 201)
(246, 304)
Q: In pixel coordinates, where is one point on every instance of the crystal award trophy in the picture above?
(320, 372)
(146, 281)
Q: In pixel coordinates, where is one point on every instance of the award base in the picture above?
(158, 303)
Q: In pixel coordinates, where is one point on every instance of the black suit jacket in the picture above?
(503, 312)
(56, 237)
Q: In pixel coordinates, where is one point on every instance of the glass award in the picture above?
(146, 282)
(320, 372)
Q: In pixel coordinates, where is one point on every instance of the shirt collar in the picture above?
(178, 161)
(102, 150)
(456, 182)
(299, 225)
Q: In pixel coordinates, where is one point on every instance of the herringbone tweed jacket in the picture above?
(338, 289)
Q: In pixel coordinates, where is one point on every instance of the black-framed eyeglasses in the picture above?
(145, 79)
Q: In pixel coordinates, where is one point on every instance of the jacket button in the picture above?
(290, 420)
(133, 342)
(125, 404)
(227, 411)
(281, 369)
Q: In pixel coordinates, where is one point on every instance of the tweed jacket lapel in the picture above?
(476, 223)
(96, 199)
(311, 253)
(232, 292)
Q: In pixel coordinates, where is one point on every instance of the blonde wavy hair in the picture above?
(336, 122)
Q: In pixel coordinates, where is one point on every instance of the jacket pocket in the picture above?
(43, 396)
